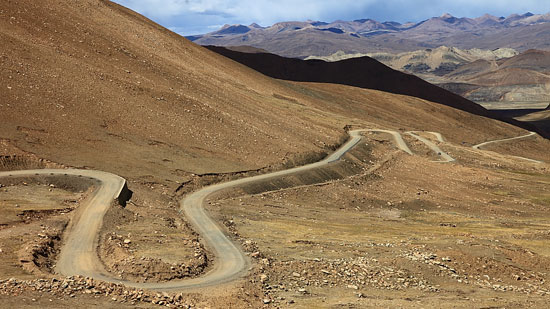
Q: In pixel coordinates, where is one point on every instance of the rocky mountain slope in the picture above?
(93, 85)
(361, 72)
(522, 78)
(314, 38)
(484, 76)
(89, 75)
(94, 75)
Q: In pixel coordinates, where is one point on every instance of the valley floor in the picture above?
(412, 233)
(402, 231)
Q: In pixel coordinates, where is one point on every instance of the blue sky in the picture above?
(200, 16)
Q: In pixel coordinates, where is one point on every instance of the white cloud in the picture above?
(258, 10)
(200, 15)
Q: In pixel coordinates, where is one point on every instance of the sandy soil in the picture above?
(151, 242)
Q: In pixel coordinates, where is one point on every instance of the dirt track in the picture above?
(445, 157)
(478, 146)
(79, 254)
(503, 140)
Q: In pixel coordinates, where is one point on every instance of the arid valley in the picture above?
(139, 169)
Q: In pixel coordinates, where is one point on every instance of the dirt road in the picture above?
(398, 139)
(79, 256)
(445, 157)
(478, 146)
(79, 253)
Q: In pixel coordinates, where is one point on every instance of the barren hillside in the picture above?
(520, 79)
(90, 82)
(92, 85)
(363, 72)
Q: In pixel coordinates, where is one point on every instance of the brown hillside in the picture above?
(83, 76)
(363, 72)
(530, 67)
(471, 69)
(537, 60)
(522, 79)
(510, 76)
(87, 83)
(90, 83)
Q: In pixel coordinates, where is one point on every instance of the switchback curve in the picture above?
(79, 256)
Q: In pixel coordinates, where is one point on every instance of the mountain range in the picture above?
(366, 73)
(316, 38)
(93, 86)
(484, 76)
(522, 78)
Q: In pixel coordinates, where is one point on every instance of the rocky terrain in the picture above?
(520, 32)
(522, 78)
(89, 84)
(439, 61)
(498, 79)
(401, 234)
(365, 72)
(63, 290)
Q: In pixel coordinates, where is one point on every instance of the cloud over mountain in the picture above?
(200, 16)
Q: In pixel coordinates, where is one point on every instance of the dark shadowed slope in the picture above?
(361, 72)
(89, 83)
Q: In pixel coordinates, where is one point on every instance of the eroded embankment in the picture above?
(351, 164)
(193, 182)
(24, 162)
(36, 252)
(71, 183)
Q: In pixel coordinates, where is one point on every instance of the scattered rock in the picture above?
(71, 286)
(255, 254)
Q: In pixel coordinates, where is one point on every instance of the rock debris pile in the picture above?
(149, 269)
(353, 273)
(74, 286)
(534, 284)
